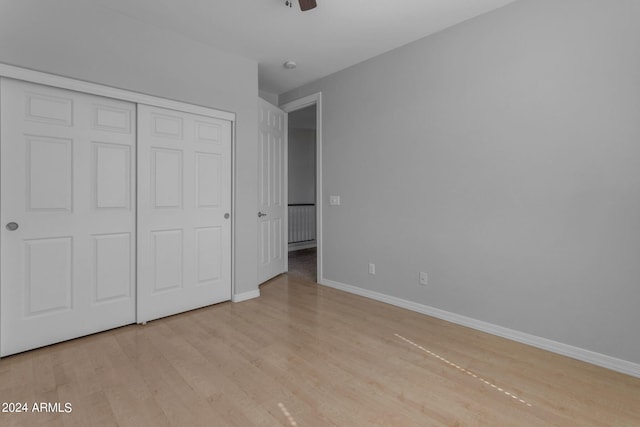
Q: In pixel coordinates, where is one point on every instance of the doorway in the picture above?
(304, 195)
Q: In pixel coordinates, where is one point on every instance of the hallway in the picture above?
(302, 264)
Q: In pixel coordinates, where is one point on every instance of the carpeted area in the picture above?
(302, 263)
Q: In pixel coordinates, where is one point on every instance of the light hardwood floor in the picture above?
(308, 355)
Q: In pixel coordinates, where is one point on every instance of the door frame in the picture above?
(48, 79)
(288, 107)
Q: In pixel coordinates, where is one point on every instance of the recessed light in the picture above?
(289, 65)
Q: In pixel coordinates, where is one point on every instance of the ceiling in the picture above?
(331, 37)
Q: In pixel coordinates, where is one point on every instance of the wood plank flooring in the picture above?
(307, 355)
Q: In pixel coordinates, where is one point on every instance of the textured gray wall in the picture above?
(501, 156)
(76, 39)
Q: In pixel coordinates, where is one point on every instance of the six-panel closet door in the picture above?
(184, 207)
(84, 249)
(68, 214)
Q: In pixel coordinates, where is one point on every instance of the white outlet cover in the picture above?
(334, 200)
(424, 278)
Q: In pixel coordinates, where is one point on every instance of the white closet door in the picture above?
(67, 212)
(184, 228)
(272, 233)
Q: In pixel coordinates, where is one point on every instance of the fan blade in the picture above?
(307, 4)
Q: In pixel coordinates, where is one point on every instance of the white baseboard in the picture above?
(302, 245)
(245, 296)
(588, 356)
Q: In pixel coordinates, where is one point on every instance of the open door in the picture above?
(271, 218)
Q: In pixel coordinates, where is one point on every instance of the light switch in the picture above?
(334, 200)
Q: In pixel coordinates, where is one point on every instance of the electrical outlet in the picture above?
(372, 268)
(424, 279)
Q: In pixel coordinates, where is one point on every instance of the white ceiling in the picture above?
(331, 37)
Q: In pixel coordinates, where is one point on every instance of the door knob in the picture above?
(226, 216)
(12, 226)
(260, 214)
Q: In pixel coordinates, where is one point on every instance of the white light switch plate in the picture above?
(334, 200)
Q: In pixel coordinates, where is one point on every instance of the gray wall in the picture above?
(271, 98)
(302, 166)
(302, 156)
(76, 39)
(502, 156)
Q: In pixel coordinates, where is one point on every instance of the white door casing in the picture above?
(289, 107)
(184, 207)
(272, 259)
(67, 182)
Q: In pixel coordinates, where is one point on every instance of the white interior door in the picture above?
(271, 191)
(184, 206)
(68, 215)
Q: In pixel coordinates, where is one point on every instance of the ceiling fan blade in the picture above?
(307, 4)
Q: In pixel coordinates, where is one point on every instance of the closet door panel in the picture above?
(67, 214)
(184, 225)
